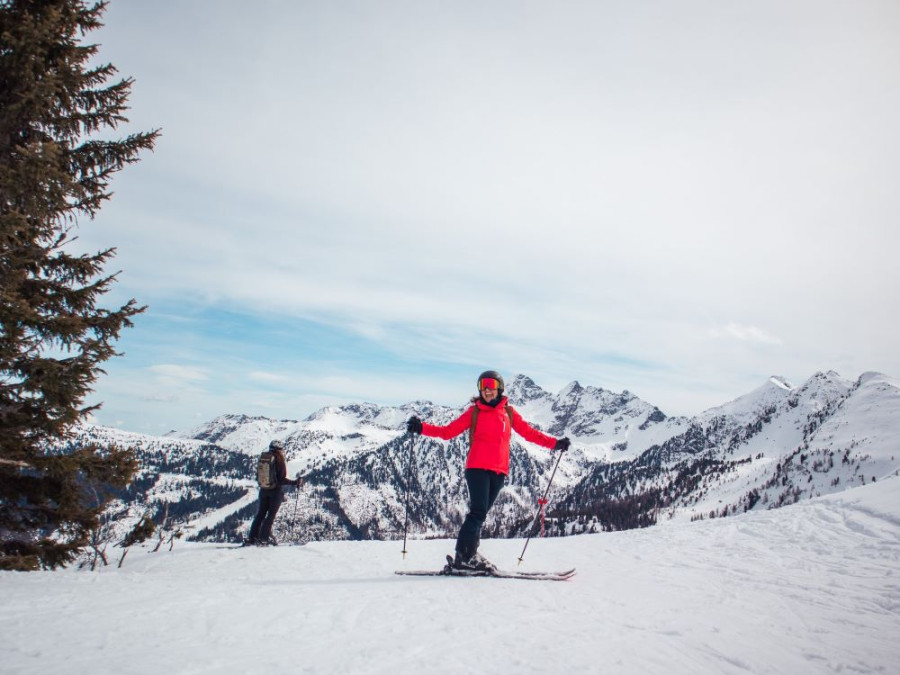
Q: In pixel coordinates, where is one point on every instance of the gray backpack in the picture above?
(266, 476)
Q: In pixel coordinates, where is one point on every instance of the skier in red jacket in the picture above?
(487, 464)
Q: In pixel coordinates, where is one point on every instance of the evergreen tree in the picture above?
(54, 169)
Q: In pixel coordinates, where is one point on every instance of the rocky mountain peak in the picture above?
(522, 389)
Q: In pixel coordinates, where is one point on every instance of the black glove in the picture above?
(562, 444)
(414, 425)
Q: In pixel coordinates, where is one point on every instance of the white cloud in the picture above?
(580, 193)
(179, 373)
(268, 378)
(745, 333)
(160, 398)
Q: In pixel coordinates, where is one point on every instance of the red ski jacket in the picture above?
(490, 442)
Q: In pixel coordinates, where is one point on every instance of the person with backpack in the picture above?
(271, 477)
(490, 421)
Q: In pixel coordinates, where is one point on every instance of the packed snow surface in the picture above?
(809, 588)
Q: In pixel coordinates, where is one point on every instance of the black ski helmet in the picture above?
(493, 374)
(276, 445)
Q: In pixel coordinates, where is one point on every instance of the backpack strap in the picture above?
(474, 422)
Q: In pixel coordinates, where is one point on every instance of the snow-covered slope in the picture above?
(810, 588)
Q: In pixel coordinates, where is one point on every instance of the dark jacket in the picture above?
(281, 472)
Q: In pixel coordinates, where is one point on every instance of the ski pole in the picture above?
(542, 501)
(408, 478)
(294, 515)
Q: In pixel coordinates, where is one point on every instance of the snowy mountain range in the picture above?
(630, 465)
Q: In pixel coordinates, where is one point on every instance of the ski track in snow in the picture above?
(811, 588)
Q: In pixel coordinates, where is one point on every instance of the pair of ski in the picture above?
(246, 545)
(451, 571)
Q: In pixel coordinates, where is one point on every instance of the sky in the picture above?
(375, 202)
(808, 588)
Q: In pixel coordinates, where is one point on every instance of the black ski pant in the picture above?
(484, 486)
(269, 503)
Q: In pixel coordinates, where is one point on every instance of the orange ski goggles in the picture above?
(488, 383)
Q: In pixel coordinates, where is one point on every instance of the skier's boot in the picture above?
(482, 564)
(459, 562)
(474, 563)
